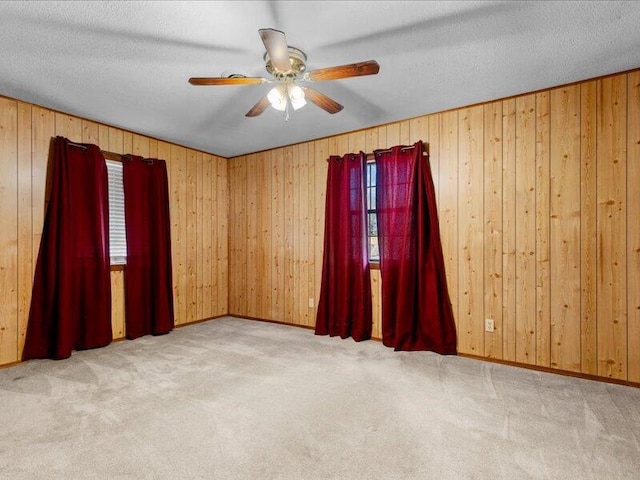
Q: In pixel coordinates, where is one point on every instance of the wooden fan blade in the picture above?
(259, 107)
(226, 80)
(276, 44)
(370, 67)
(321, 100)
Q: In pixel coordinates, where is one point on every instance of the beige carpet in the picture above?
(237, 399)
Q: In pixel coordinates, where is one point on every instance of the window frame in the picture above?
(369, 186)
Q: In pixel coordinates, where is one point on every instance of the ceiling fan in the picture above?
(287, 67)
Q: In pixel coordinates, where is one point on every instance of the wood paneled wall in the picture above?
(539, 206)
(198, 195)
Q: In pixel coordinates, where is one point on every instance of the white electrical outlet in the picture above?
(311, 303)
(489, 325)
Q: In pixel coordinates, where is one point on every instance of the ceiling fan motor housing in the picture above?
(298, 61)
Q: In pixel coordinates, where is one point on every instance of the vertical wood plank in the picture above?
(357, 142)
(69, 127)
(207, 246)
(376, 304)
(525, 229)
(384, 140)
(278, 239)
(8, 231)
(218, 214)
(174, 218)
(191, 193)
(543, 310)
(103, 136)
(233, 233)
(588, 228)
(418, 130)
(258, 235)
(470, 231)
(241, 239)
(448, 215)
(320, 179)
(296, 257)
(116, 142)
(117, 304)
(91, 133)
(405, 133)
(153, 148)
(633, 227)
(265, 234)
(140, 145)
(509, 229)
(42, 133)
(393, 135)
(211, 234)
(164, 153)
(493, 227)
(433, 147)
(611, 198)
(565, 228)
(371, 140)
(202, 300)
(251, 238)
(222, 229)
(25, 261)
(311, 235)
(179, 246)
(304, 237)
(342, 145)
(288, 300)
(175, 222)
(127, 142)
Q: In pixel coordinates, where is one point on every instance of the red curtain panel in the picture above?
(148, 275)
(416, 310)
(71, 298)
(344, 308)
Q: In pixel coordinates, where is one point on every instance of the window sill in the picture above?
(118, 268)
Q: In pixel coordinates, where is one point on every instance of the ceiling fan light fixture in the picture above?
(277, 98)
(296, 95)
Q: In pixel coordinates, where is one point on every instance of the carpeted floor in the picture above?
(238, 399)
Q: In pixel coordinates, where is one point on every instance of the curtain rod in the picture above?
(402, 149)
(372, 156)
(117, 157)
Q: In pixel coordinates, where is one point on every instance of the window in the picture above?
(372, 217)
(117, 232)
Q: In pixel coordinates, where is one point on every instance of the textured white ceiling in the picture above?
(127, 63)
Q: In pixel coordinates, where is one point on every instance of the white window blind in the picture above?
(117, 232)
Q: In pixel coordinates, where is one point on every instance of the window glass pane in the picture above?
(371, 174)
(373, 199)
(372, 227)
(374, 251)
(117, 233)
